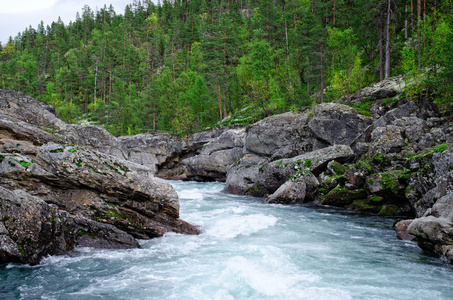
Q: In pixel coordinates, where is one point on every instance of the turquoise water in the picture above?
(248, 250)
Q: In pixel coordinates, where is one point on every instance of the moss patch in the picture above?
(338, 168)
(365, 205)
(56, 150)
(389, 210)
(25, 164)
(341, 196)
(364, 165)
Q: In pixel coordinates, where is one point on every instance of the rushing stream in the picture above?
(248, 250)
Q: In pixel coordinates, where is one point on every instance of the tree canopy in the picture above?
(184, 65)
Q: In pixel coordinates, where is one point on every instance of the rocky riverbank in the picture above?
(396, 161)
(65, 185)
(83, 182)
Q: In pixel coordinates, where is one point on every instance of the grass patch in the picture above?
(56, 150)
(25, 164)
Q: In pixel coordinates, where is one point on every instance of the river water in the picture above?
(248, 250)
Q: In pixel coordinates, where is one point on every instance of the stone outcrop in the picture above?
(336, 124)
(30, 228)
(434, 225)
(280, 136)
(216, 157)
(398, 163)
(387, 88)
(55, 197)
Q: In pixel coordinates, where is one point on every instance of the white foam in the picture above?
(192, 194)
(242, 273)
(232, 226)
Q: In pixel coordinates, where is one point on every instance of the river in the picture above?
(248, 250)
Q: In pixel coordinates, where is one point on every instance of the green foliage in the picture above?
(25, 164)
(58, 150)
(184, 66)
(338, 168)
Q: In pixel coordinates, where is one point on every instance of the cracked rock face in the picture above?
(216, 157)
(31, 229)
(338, 124)
(54, 197)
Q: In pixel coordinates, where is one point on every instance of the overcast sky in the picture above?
(16, 15)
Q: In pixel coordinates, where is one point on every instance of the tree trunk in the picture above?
(387, 45)
(220, 101)
(95, 82)
(405, 22)
(419, 19)
(322, 76)
(381, 47)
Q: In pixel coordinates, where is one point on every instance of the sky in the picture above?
(16, 15)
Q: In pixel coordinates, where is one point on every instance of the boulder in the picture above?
(216, 157)
(100, 187)
(337, 124)
(340, 196)
(386, 88)
(401, 231)
(434, 231)
(280, 136)
(103, 199)
(243, 174)
(297, 190)
(31, 229)
(388, 139)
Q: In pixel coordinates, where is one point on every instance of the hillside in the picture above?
(183, 66)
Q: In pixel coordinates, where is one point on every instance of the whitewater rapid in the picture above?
(248, 250)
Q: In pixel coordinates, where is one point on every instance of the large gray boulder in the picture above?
(97, 186)
(25, 118)
(297, 190)
(100, 199)
(280, 136)
(434, 231)
(337, 124)
(31, 229)
(386, 88)
(216, 157)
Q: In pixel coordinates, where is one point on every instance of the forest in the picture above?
(186, 65)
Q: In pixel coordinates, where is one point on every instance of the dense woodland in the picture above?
(185, 65)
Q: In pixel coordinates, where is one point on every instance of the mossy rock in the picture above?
(425, 157)
(338, 168)
(341, 196)
(392, 182)
(332, 182)
(364, 165)
(365, 205)
(389, 210)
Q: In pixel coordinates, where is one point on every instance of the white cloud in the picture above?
(17, 15)
(23, 6)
